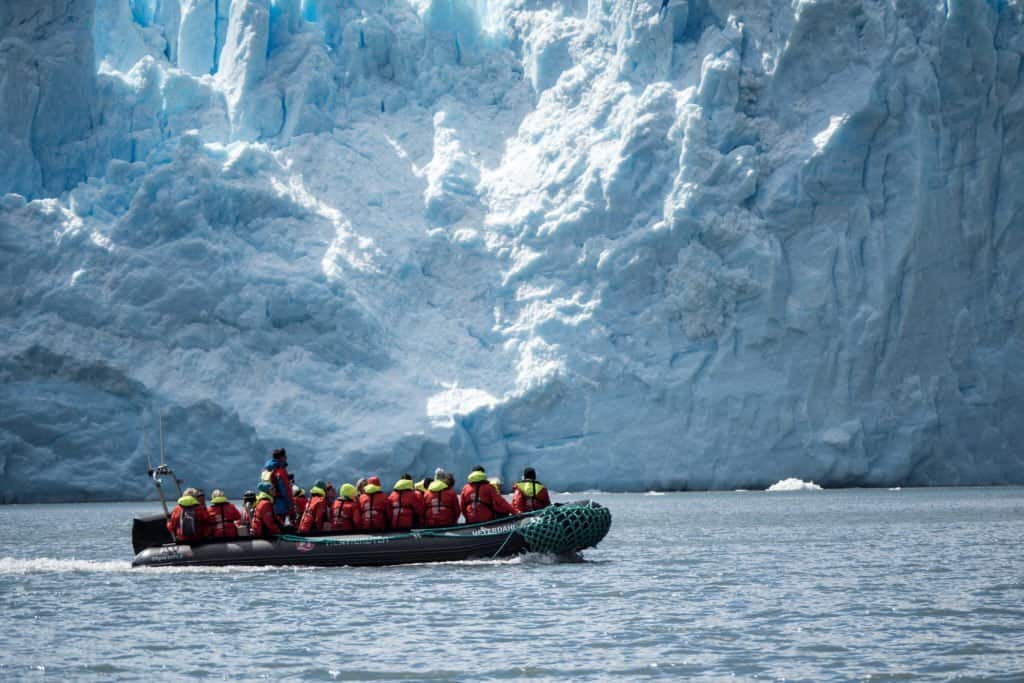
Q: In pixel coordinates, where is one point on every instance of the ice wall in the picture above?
(643, 244)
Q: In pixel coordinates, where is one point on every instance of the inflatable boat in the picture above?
(561, 529)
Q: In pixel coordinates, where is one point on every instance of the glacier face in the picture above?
(633, 243)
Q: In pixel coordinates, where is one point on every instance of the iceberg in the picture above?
(793, 484)
(638, 245)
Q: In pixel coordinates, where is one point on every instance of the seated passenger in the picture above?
(264, 522)
(248, 503)
(223, 516)
(480, 502)
(345, 513)
(299, 496)
(530, 494)
(374, 507)
(315, 514)
(406, 505)
(440, 505)
(187, 522)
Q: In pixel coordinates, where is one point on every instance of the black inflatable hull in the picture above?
(562, 529)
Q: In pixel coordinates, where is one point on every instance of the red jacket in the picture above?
(406, 509)
(264, 523)
(223, 519)
(315, 515)
(345, 515)
(482, 503)
(277, 475)
(440, 506)
(300, 505)
(530, 495)
(375, 509)
(188, 523)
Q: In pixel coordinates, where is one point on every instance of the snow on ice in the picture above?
(636, 244)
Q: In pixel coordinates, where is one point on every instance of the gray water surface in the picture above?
(918, 584)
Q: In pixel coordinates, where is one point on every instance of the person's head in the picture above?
(496, 483)
(297, 491)
(449, 478)
(265, 488)
(439, 474)
(249, 497)
(529, 474)
(477, 475)
(373, 480)
(319, 488)
(280, 454)
(218, 497)
(331, 492)
(291, 477)
(361, 484)
(349, 492)
(200, 496)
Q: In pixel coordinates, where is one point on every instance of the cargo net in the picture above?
(567, 528)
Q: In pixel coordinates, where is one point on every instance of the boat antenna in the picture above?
(153, 474)
(163, 460)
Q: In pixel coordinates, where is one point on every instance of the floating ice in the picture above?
(794, 484)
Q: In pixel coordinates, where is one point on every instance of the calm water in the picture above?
(834, 585)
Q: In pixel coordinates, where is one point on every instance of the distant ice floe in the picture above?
(794, 484)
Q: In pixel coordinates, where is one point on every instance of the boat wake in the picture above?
(13, 566)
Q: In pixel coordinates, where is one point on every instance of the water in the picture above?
(832, 585)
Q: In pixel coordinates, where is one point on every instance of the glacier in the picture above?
(636, 244)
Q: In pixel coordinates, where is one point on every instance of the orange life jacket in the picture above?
(375, 510)
(222, 518)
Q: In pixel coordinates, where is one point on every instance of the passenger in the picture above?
(264, 521)
(346, 513)
(187, 522)
(315, 514)
(332, 494)
(480, 502)
(299, 496)
(496, 483)
(201, 497)
(223, 516)
(275, 473)
(361, 485)
(406, 505)
(440, 505)
(530, 494)
(374, 507)
(248, 503)
(422, 485)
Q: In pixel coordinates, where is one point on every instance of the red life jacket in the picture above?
(441, 508)
(264, 523)
(530, 495)
(222, 518)
(345, 515)
(406, 509)
(482, 503)
(314, 516)
(375, 510)
(300, 505)
(187, 523)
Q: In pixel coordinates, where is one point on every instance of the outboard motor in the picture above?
(150, 531)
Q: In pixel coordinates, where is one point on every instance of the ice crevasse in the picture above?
(636, 244)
